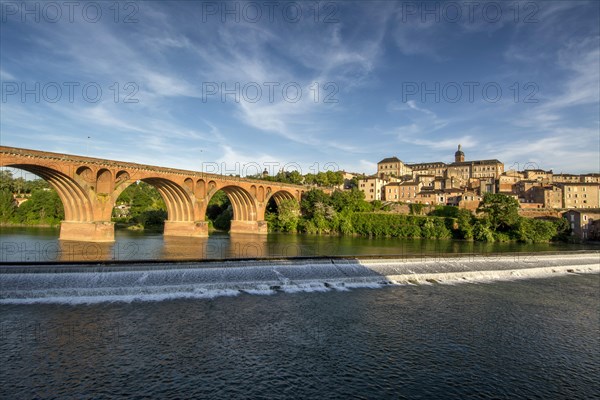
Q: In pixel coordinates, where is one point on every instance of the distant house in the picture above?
(584, 223)
(392, 166)
(580, 195)
(372, 186)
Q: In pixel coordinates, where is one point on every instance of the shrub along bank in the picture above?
(347, 213)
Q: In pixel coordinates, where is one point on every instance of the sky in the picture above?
(237, 87)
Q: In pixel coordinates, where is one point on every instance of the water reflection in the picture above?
(42, 245)
(217, 246)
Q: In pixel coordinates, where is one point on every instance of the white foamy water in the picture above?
(202, 281)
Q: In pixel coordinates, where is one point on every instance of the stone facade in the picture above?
(402, 191)
(372, 187)
(584, 223)
(580, 195)
(437, 169)
(550, 196)
(392, 166)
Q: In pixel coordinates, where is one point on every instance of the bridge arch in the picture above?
(76, 203)
(279, 195)
(276, 196)
(242, 202)
(180, 207)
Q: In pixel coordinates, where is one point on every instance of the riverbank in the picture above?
(22, 225)
(75, 284)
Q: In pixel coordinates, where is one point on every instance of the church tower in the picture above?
(459, 156)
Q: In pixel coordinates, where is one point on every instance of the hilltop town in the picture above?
(463, 183)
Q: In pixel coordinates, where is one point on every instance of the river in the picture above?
(535, 338)
(25, 244)
(530, 338)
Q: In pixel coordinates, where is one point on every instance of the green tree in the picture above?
(6, 181)
(220, 211)
(416, 208)
(223, 220)
(501, 210)
(287, 217)
(7, 205)
(310, 199)
(294, 177)
(530, 230)
(322, 179)
(465, 224)
(334, 178)
(482, 230)
(35, 184)
(352, 200)
(310, 179)
(43, 207)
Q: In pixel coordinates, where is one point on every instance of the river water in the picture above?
(42, 245)
(534, 338)
(525, 339)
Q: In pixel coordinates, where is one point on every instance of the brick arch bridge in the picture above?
(89, 187)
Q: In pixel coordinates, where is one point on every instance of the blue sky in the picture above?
(388, 76)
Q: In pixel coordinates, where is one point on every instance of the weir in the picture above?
(153, 281)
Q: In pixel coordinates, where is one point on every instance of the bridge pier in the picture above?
(186, 228)
(100, 231)
(260, 227)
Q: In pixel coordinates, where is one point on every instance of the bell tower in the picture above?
(459, 156)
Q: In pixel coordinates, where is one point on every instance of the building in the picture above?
(469, 200)
(580, 195)
(584, 223)
(372, 186)
(590, 178)
(566, 178)
(538, 175)
(460, 169)
(549, 196)
(437, 169)
(402, 191)
(476, 169)
(348, 183)
(523, 186)
(507, 181)
(392, 166)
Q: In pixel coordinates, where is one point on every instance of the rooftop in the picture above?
(585, 210)
(476, 162)
(389, 160)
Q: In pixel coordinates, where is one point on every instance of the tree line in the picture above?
(321, 179)
(43, 206)
(347, 213)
